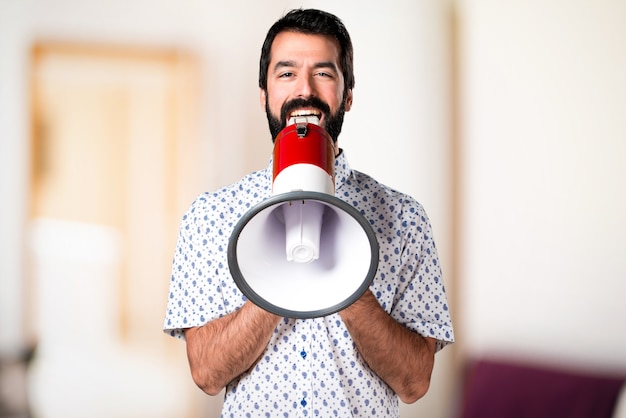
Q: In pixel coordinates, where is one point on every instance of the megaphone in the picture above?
(303, 253)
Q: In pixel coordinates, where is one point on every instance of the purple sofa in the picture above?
(506, 389)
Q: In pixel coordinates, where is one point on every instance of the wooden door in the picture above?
(114, 137)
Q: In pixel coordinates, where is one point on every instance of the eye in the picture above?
(286, 74)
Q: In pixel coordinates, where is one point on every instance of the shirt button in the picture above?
(303, 354)
(303, 402)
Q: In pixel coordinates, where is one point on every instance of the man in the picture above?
(356, 362)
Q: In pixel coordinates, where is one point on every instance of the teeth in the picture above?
(303, 117)
(305, 113)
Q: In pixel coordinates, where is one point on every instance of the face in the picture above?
(304, 77)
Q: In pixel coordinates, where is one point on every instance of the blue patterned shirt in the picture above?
(310, 366)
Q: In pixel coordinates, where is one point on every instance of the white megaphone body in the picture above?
(303, 252)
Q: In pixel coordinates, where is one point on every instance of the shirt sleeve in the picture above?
(422, 305)
(195, 291)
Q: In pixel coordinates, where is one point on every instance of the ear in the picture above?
(349, 98)
(262, 98)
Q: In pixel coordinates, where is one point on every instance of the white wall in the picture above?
(13, 157)
(543, 178)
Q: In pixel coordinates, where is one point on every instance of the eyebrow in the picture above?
(292, 64)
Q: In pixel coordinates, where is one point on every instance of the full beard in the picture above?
(332, 121)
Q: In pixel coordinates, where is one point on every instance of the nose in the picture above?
(305, 87)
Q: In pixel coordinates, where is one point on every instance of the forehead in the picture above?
(298, 47)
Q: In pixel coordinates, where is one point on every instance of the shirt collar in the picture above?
(342, 169)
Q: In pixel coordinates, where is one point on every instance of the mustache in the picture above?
(294, 104)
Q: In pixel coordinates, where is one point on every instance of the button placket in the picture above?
(305, 368)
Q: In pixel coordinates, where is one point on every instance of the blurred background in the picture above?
(505, 119)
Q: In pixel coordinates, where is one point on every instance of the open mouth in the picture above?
(304, 116)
